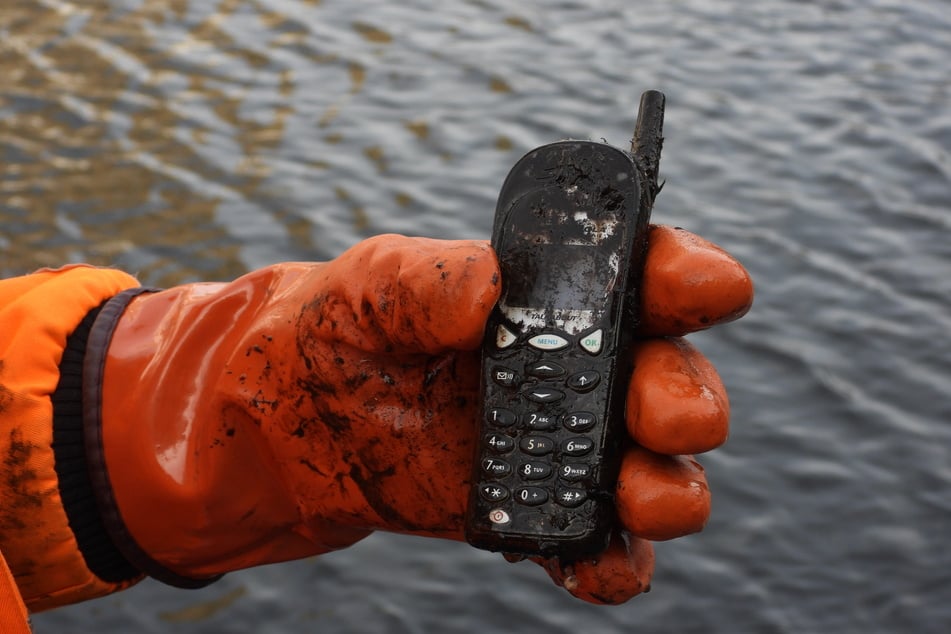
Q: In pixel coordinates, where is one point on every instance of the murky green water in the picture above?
(187, 140)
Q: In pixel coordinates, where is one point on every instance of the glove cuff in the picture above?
(93, 364)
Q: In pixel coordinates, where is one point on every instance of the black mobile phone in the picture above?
(570, 233)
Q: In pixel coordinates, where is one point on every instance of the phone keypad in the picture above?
(544, 450)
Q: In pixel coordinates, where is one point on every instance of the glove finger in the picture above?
(621, 572)
(393, 293)
(662, 497)
(690, 284)
(676, 402)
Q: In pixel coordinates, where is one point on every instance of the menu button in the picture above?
(548, 342)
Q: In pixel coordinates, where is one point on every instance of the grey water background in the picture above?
(186, 140)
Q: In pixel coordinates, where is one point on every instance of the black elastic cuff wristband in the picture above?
(75, 489)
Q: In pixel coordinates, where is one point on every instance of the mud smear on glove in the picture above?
(22, 499)
(5, 396)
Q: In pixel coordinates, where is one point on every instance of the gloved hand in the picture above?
(303, 406)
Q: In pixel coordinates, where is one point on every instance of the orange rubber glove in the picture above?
(302, 406)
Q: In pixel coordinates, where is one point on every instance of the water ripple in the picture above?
(188, 140)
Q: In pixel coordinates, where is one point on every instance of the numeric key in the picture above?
(577, 446)
(496, 467)
(574, 472)
(579, 421)
(534, 470)
(500, 417)
(539, 420)
(499, 443)
(531, 496)
(536, 445)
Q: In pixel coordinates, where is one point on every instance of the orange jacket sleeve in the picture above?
(13, 616)
(50, 532)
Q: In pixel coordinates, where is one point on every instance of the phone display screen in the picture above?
(578, 277)
(561, 268)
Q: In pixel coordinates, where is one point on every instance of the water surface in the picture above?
(187, 140)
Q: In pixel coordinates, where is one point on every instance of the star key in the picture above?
(493, 492)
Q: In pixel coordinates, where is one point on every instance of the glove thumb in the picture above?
(393, 293)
